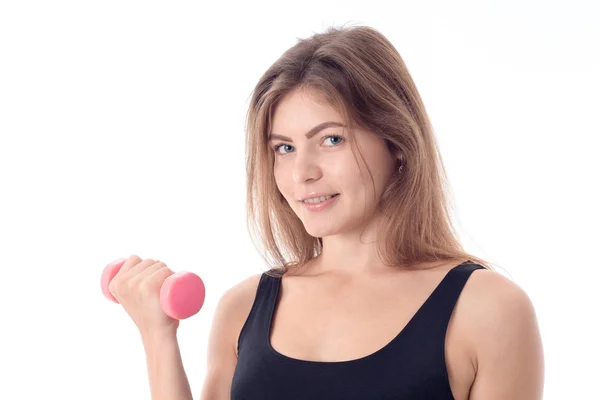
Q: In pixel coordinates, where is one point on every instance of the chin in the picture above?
(321, 229)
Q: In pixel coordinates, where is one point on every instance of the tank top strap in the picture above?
(257, 325)
(268, 292)
(434, 316)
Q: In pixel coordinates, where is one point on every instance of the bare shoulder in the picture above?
(489, 287)
(493, 296)
(238, 301)
(493, 301)
(504, 333)
(240, 297)
(244, 289)
(227, 321)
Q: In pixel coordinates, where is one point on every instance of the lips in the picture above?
(321, 205)
(314, 197)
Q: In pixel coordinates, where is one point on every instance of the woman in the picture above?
(380, 301)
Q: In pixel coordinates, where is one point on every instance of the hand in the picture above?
(137, 288)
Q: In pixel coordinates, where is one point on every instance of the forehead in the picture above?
(300, 110)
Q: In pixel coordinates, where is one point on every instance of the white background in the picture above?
(122, 132)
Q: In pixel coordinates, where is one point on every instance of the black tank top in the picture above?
(410, 367)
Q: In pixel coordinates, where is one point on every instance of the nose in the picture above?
(305, 168)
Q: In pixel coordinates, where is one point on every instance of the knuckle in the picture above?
(113, 287)
(160, 274)
(164, 270)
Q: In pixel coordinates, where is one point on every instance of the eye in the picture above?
(278, 146)
(334, 136)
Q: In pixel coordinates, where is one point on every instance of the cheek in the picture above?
(282, 186)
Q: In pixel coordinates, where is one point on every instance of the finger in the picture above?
(148, 271)
(131, 262)
(140, 267)
(134, 276)
(160, 274)
(156, 279)
(115, 283)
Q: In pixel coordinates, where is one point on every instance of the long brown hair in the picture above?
(362, 76)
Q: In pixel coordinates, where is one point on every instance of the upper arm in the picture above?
(230, 313)
(509, 353)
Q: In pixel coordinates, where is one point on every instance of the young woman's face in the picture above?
(324, 163)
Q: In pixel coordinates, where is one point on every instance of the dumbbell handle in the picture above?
(181, 294)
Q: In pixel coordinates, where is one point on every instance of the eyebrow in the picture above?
(310, 133)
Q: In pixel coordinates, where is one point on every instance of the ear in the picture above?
(400, 156)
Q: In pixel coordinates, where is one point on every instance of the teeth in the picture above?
(315, 200)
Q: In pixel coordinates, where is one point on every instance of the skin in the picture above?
(493, 348)
(321, 164)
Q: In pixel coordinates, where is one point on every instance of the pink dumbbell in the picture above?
(181, 294)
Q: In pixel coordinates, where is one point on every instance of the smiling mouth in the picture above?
(329, 197)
